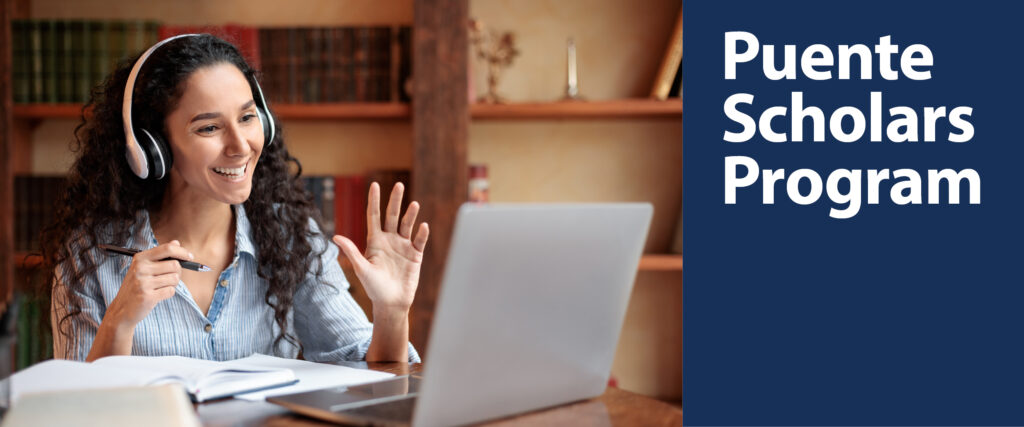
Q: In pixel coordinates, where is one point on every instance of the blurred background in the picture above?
(378, 91)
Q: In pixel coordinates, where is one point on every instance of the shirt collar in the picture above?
(145, 239)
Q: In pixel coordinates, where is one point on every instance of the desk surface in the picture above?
(613, 408)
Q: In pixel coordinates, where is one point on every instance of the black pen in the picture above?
(188, 265)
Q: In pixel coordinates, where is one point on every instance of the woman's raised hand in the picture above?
(390, 269)
(148, 281)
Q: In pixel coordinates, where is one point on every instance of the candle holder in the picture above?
(498, 50)
(572, 87)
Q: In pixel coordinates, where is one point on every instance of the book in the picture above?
(670, 62)
(245, 38)
(350, 208)
(156, 406)
(202, 379)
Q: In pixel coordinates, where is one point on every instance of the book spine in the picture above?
(36, 50)
(118, 47)
(361, 59)
(49, 34)
(350, 208)
(293, 61)
(74, 60)
(266, 70)
(23, 345)
(672, 60)
(246, 39)
(310, 80)
(86, 78)
(99, 56)
(20, 213)
(65, 58)
(152, 34)
(395, 52)
(135, 37)
(281, 63)
(405, 64)
(384, 53)
(34, 210)
(20, 57)
(330, 80)
(348, 64)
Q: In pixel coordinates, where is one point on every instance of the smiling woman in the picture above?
(208, 178)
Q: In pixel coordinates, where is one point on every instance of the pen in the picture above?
(189, 265)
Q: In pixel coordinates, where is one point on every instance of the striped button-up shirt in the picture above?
(324, 317)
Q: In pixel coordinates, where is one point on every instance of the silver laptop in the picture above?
(529, 313)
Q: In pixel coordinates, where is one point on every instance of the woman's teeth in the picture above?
(232, 172)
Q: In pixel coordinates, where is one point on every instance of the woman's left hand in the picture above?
(390, 270)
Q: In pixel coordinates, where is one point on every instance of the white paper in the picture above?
(56, 375)
(312, 376)
(193, 372)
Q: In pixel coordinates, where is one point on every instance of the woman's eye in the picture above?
(248, 117)
(207, 129)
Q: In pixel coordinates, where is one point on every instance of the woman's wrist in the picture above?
(117, 326)
(388, 316)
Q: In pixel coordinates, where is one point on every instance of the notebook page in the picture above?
(57, 375)
(312, 376)
(189, 371)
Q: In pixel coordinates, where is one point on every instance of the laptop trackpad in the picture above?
(400, 387)
(384, 402)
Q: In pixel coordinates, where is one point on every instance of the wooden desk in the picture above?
(613, 408)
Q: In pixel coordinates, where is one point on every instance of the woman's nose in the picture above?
(237, 144)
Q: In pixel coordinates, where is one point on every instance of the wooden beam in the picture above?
(6, 174)
(440, 121)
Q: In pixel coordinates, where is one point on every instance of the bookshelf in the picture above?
(659, 262)
(616, 146)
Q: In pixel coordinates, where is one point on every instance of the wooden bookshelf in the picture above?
(616, 109)
(343, 111)
(661, 262)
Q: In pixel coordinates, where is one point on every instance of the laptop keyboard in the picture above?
(399, 411)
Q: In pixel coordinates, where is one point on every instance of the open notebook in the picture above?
(202, 379)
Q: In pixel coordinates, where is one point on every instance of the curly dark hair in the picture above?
(102, 193)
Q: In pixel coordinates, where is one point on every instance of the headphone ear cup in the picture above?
(268, 135)
(157, 153)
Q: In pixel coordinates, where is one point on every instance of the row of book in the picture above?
(60, 61)
(336, 64)
(34, 198)
(340, 200)
(33, 342)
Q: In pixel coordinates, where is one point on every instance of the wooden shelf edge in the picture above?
(333, 111)
(661, 262)
(47, 111)
(343, 111)
(623, 108)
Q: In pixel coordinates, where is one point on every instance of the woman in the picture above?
(232, 199)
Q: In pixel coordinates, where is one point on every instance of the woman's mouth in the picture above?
(231, 172)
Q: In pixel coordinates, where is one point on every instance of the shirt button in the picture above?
(208, 328)
(224, 283)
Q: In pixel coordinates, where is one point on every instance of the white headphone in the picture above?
(148, 155)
